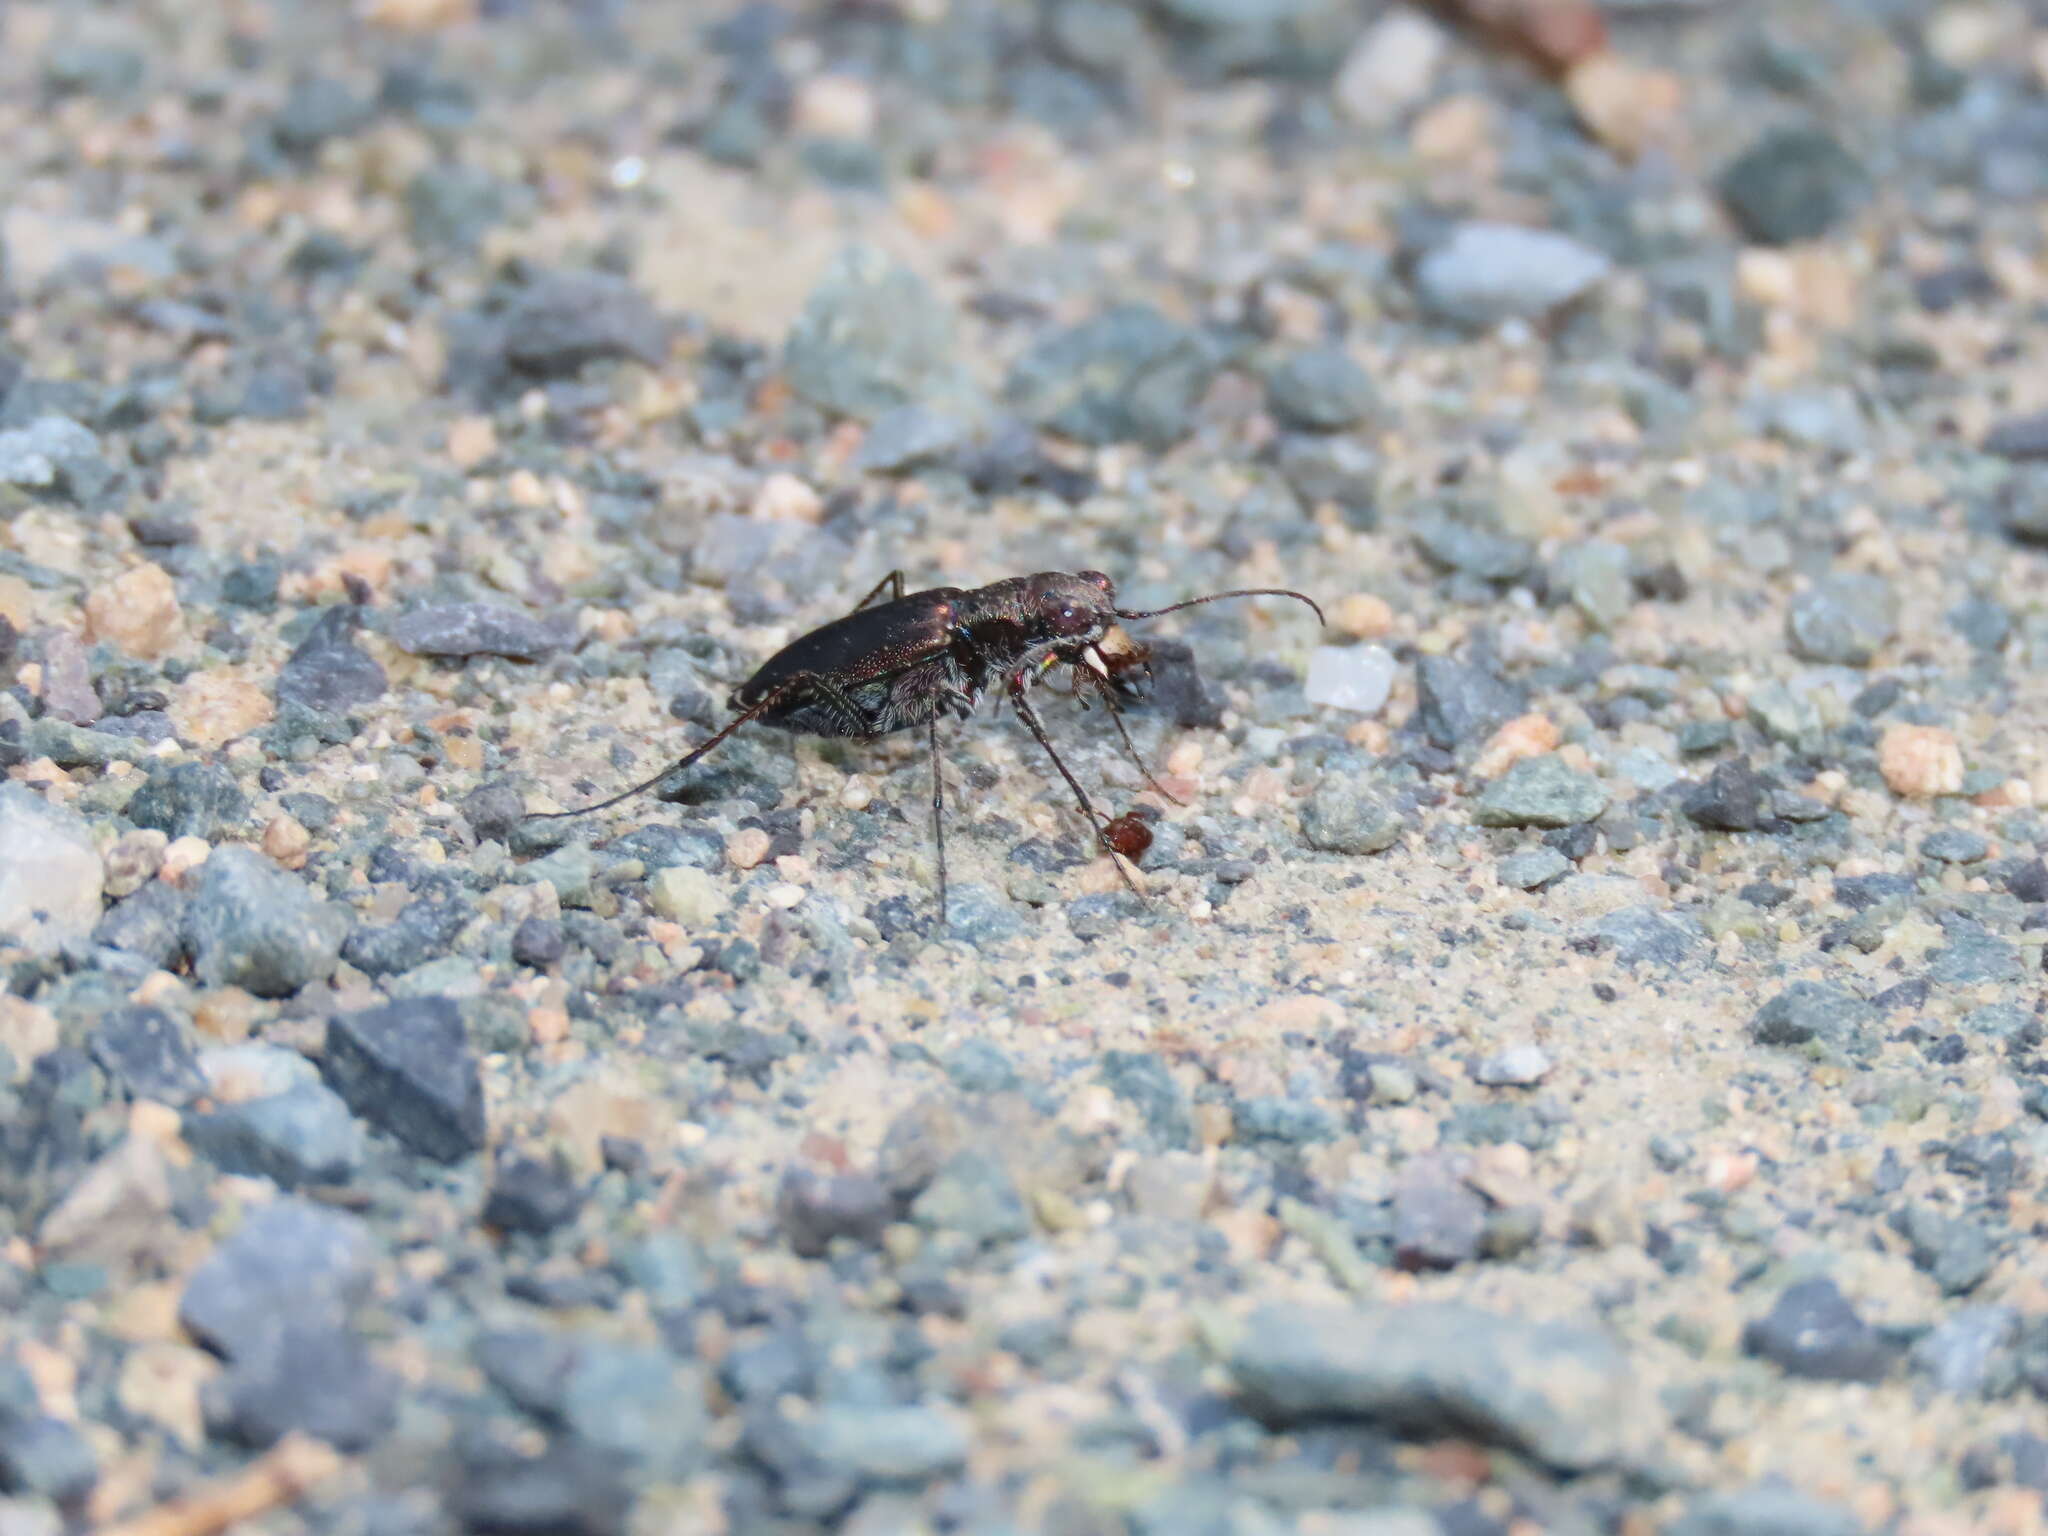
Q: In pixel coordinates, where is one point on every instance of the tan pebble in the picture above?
(1919, 761)
(133, 860)
(16, 597)
(2013, 794)
(747, 847)
(286, 841)
(1626, 106)
(856, 794)
(783, 498)
(1362, 616)
(1372, 735)
(226, 1016)
(415, 16)
(784, 896)
(523, 488)
(159, 989)
(1525, 736)
(692, 897)
(26, 1030)
(835, 107)
(464, 752)
(1185, 759)
(213, 708)
(1456, 132)
(549, 1026)
(138, 611)
(181, 857)
(472, 440)
(160, 1383)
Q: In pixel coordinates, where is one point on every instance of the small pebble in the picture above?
(1358, 678)
(1920, 761)
(747, 847)
(1517, 1066)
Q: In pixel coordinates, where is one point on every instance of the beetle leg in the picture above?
(938, 817)
(1029, 716)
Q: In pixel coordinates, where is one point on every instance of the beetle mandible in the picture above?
(895, 665)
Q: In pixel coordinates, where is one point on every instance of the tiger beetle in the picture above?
(892, 666)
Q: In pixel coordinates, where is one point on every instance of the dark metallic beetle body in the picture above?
(891, 666)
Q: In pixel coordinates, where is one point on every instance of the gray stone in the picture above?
(1843, 620)
(1598, 576)
(979, 916)
(872, 337)
(1765, 1511)
(909, 437)
(1813, 1331)
(56, 454)
(304, 1135)
(974, 1197)
(1794, 183)
(1957, 1355)
(908, 1445)
(1541, 791)
(1531, 869)
(1809, 1011)
(814, 1208)
(1458, 702)
(46, 1457)
(190, 800)
(1320, 389)
(2023, 503)
(287, 1261)
(1516, 1066)
(1731, 798)
(1438, 1218)
(1983, 621)
(639, 1405)
(1459, 541)
(1142, 1079)
(1320, 467)
(1566, 1395)
(1954, 845)
(1293, 1122)
(51, 873)
(562, 321)
(1830, 420)
(1345, 814)
(2019, 437)
(306, 1377)
(1642, 935)
(255, 926)
(1486, 273)
(408, 1068)
(1955, 1251)
(1128, 374)
(328, 672)
(476, 629)
(149, 1054)
(149, 925)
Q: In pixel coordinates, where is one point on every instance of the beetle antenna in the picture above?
(1217, 597)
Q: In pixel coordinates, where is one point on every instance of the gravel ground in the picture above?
(1578, 1060)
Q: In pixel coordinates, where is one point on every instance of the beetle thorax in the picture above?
(1016, 626)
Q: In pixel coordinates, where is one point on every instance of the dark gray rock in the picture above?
(1541, 791)
(1859, 893)
(872, 338)
(1292, 1122)
(1345, 814)
(313, 1378)
(569, 1489)
(562, 321)
(1794, 183)
(1644, 935)
(910, 437)
(1983, 621)
(1565, 1395)
(304, 1135)
(1340, 469)
(190, 800)
(1178, 690)
(1438, 1218)
(424, 929)
(1809, 1011)
(2023, 503)
(1730, 799)
(54, 453)
(253, 925)
(1142, 1080)
(1954, 845)
(1765, 1511)
(1843, 620)
(2020, 1457)
(493, 809)
(1129, 374)
(815, 1207)
(887, 1445)
(1457, 540)
(408, 1069)
(149, 1054)
(539, 942)
(533, 1195)
(1320, 389)
(1974, 955)
(328, 672)
(475, 629)
(1957, 1252)
(1458, 703)
(316, 109)
(149, 924)
(1813, 1331)
(288, 1262)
